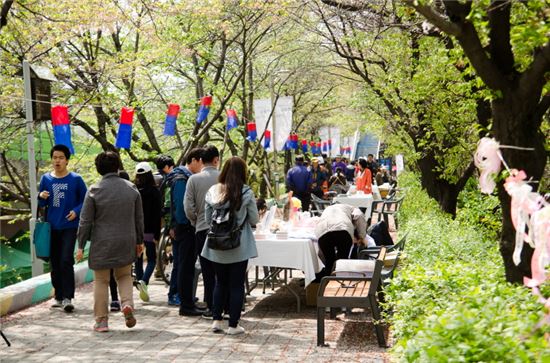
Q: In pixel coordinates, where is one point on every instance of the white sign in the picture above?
(283, 119)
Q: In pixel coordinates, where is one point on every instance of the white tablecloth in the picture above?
(357, 200)
(299, 254)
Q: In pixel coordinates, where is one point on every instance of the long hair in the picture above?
(144, 180)
(232, 178)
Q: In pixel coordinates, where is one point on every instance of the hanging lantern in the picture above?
(62, 126)
(251, 130)
(204, 108)
(124, 135)
(232, 120)
(171, 117)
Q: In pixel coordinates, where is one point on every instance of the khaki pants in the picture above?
(123, 277)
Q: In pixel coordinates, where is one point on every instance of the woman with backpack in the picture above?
(230, 200)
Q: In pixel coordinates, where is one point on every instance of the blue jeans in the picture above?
(151, 252)
(229, 287)
(62, 261)
(173, 289)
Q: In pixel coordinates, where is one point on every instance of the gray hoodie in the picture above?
(249, 212)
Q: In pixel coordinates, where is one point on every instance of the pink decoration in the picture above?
(487, 159)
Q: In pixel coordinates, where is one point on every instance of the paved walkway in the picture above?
(274, 331)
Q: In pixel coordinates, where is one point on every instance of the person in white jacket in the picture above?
(340, 226)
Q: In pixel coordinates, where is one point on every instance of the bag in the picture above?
(381, 234)
(224, 233)
(42, 239)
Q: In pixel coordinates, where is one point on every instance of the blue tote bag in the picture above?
(42, 239)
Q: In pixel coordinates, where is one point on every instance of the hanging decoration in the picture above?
(267, 139)
(171, 117)
(529, 211)
(204, 108)
(124, 135)
(329, 145)
(62, 126)
(251, 130)
(325, 149)
(304, 146)
(294, 141)
(232, 120)
(318, 148)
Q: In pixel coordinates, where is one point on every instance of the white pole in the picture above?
(274, 137)
(37, 265)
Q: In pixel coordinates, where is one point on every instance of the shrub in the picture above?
(449, 300)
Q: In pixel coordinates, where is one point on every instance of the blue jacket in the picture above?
(177, 181)
(249, 212)
(66, 195)
(298, 179)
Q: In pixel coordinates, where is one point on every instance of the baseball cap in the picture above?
(143, 167)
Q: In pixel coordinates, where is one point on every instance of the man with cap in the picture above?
(299, 180)
(319, 178)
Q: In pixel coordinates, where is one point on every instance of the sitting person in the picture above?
(340, 226)
(338, 182)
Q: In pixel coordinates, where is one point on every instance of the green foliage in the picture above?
(449, 300)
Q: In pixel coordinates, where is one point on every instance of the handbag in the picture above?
(42, 238)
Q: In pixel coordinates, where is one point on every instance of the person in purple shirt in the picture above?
(62, 193)
(338, 163)
(298, 180)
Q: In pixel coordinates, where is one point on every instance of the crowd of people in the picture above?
(319, 176)
(122, 217)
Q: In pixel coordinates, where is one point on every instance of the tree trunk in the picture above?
(515, 124)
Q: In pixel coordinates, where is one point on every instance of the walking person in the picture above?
(299, 181)
(112, 220)
(230, 265)
(62, 194)
(152, 205)
(197, 187)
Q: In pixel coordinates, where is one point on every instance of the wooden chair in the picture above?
(351, 292)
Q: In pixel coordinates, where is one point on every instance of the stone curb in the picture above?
(37, 289)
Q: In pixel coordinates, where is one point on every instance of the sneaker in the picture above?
(143, 294)
(174, 300)
(101, 326)
(235, 331)
(207, 314)
(128, 312)
(57, 304)
(67, 305)
(115, 305)
(217, 326)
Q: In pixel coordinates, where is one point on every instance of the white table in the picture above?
(357, 200)
(291, 253)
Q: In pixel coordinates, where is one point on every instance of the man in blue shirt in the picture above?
(299, 180)
(62, 193)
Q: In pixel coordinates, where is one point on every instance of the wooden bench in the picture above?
(351, 292)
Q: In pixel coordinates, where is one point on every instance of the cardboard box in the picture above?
(311, 294)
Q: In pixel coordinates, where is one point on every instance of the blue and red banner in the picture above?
(325, 148)
(204, 108)
(171, 117)
(267, 139)
(62, 126)
(232, 120)
(251, 130)
(124, 135)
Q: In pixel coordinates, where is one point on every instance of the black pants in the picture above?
(62, 261)
(334, 245)
(229, 287)
(185, 234)
(113, 286)
(207, 267)
(305, 198)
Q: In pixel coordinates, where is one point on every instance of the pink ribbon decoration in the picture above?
(487, 159)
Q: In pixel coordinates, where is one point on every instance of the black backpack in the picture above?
(224, 233)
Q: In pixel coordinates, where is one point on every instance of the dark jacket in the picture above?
(152, 206)
(177, 182)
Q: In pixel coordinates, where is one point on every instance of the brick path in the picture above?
(275, 331)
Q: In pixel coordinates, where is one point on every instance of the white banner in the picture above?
(332, 133)
(283, 119)
(355, 141)
(399, 164)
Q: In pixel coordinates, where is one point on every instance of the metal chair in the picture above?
(319, 204)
